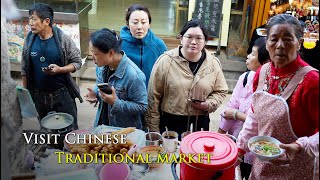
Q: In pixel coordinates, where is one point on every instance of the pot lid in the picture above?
(223, 151)
(57, 121)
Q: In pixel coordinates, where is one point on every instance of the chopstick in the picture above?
(95, 105)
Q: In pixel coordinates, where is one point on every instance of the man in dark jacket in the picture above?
(48, 58)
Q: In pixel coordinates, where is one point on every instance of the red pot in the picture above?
(223, 155)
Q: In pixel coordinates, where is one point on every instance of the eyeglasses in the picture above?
(197, 39)
(32, 19)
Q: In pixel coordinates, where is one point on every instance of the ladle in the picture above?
(167, 131)
(150, 138)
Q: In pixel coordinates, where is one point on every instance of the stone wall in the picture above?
(14, 150)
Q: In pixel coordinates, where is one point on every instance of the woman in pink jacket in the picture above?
(233, 117)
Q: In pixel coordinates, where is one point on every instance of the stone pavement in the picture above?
(87, 113)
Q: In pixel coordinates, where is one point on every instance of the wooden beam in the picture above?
(243, 19)
(260, 14)
(266, 12)
(256, 14)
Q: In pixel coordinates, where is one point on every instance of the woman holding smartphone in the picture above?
(126, 103)
(186, 84)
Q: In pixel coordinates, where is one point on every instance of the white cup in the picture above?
(170, 141)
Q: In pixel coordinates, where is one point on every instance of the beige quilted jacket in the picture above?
(172, 83)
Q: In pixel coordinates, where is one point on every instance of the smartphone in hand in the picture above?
(104, 87)
(46, 68)
(196, 100)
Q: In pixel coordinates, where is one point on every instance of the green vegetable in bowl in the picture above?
(265, 148)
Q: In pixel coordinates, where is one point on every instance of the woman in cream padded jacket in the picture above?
(186, 84)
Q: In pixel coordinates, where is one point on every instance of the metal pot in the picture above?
(57, 123)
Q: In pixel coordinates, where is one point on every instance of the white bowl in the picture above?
(265, 138)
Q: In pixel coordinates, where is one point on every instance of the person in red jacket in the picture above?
(284, 105)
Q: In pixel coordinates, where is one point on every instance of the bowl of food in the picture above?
(265, 148)
(152, 154)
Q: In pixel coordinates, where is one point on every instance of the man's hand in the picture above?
(108, 98)
(52, 69)
(91, 96)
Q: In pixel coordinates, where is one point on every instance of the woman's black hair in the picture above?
(106, 39)
(263, 54)
(194, 23)
(43, 11)
(286, 19)
(137, 7)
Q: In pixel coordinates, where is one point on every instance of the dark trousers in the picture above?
(179, 123)
(245, 170)
(59, 101)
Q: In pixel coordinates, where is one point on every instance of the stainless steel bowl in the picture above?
(155, 139)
